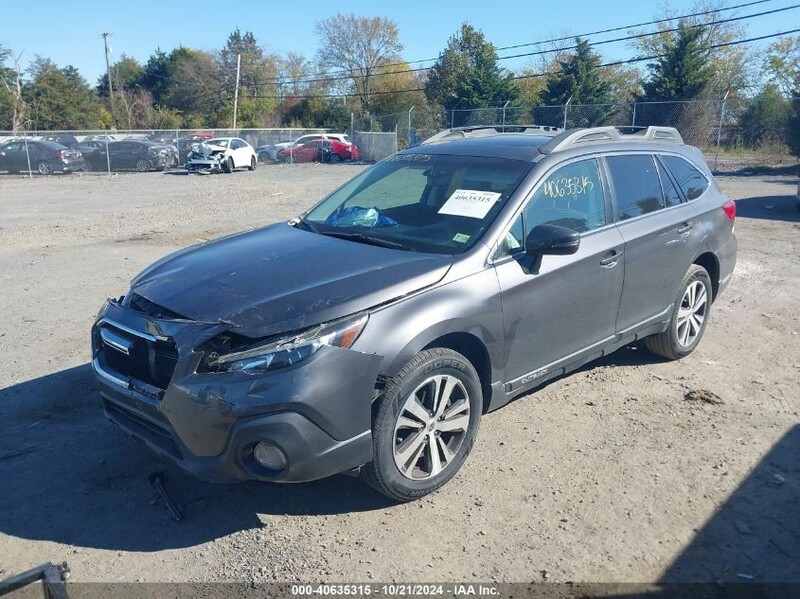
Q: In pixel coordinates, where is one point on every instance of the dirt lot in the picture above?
(608, 474)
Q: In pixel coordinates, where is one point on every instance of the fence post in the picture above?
(504, 114)
(566, 107)
(108, 156)
(452, 117)
(633, 120)
(352, 124)
(719, 130)
(410, 110)
(28, 154)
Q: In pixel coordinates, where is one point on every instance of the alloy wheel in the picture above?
(691, 313)
(431, 427)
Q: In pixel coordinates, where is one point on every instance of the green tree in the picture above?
(466, 75)
(766, 118)
(258, 80)
(61, 98)
(579, 78)
(358, 46)
(782, 64)
(731, 68)
(683, 71)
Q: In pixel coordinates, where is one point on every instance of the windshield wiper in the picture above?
(368, 239)
(301, 222)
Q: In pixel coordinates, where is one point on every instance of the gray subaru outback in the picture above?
(370, 334)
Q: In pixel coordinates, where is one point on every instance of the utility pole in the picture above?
(105, 35)
(236, 91)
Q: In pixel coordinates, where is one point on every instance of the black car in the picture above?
(65, 139)
(129, 154)
(44, 157)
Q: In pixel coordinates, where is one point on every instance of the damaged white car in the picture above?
(221, 154)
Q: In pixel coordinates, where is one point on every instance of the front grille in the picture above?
(143, 428)
(152, 362)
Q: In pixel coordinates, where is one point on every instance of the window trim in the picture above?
(494, 259)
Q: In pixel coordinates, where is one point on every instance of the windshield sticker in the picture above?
(470, 203)
(461, 238)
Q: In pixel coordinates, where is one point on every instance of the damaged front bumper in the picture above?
(316, 412)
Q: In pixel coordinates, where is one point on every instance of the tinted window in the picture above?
(671, 195)
(236, 144)
(690, 180)
(636, 185)
(570, 196)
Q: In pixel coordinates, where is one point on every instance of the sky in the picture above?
(72, 37)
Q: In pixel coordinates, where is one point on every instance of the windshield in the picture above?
(422, 202)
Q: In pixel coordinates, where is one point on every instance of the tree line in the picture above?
(360, 70)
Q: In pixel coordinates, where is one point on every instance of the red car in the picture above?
(320, 150)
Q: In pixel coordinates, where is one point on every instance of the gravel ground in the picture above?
(608, 474)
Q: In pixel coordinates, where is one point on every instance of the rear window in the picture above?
(690, 180)
(636, 185)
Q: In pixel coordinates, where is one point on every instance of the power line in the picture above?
(535, 75)
(344, 75)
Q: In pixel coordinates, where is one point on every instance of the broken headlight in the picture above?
(290, 349)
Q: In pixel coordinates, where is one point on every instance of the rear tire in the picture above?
(143, 165)
(690, 315)
(424, 425)
(334, 158)
(44, 168)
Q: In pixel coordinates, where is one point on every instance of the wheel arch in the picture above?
(710, 262)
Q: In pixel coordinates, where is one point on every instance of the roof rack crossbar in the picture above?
(479, 130)
(575, 137)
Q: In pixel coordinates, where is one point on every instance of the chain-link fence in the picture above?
(726, 125)
(718, 126)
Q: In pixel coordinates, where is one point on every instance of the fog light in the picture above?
(269, 456)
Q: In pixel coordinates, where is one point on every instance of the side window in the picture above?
(236, 144)
(672, 196)
(690, 180)
(570, 196)
(636, 185)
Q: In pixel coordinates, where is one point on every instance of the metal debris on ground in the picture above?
(52, 577)
(157, 482)
(703, 395)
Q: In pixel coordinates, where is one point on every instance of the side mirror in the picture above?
(552, 239)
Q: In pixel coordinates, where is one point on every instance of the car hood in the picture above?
(280, 278)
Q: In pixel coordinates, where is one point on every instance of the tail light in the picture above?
(729, 208)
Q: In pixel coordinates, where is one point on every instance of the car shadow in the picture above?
(783, 208)
(70, 476)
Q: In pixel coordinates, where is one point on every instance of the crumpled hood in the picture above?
(280, 278)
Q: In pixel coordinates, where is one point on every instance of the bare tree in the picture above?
(12, 81)
(358, 46)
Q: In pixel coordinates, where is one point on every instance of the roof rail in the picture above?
(480, 130)
(574, 137)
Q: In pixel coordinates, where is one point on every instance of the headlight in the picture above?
(289, 350)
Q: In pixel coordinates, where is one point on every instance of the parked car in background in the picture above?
(44, 157)
(237, 153)
(320, 150)
(373, 331)
(271, 152)
(65, 139)
(130, 154)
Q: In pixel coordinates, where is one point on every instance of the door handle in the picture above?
(611, 259)
(685, 228)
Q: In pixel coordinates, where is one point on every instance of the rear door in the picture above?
(565, 310)
(661, 238)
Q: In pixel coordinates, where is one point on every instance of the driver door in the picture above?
(567, 308)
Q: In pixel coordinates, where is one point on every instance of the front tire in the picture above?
(424, 425)
(143, 165)
(689, 317)
(253, 164)
(228, 165)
